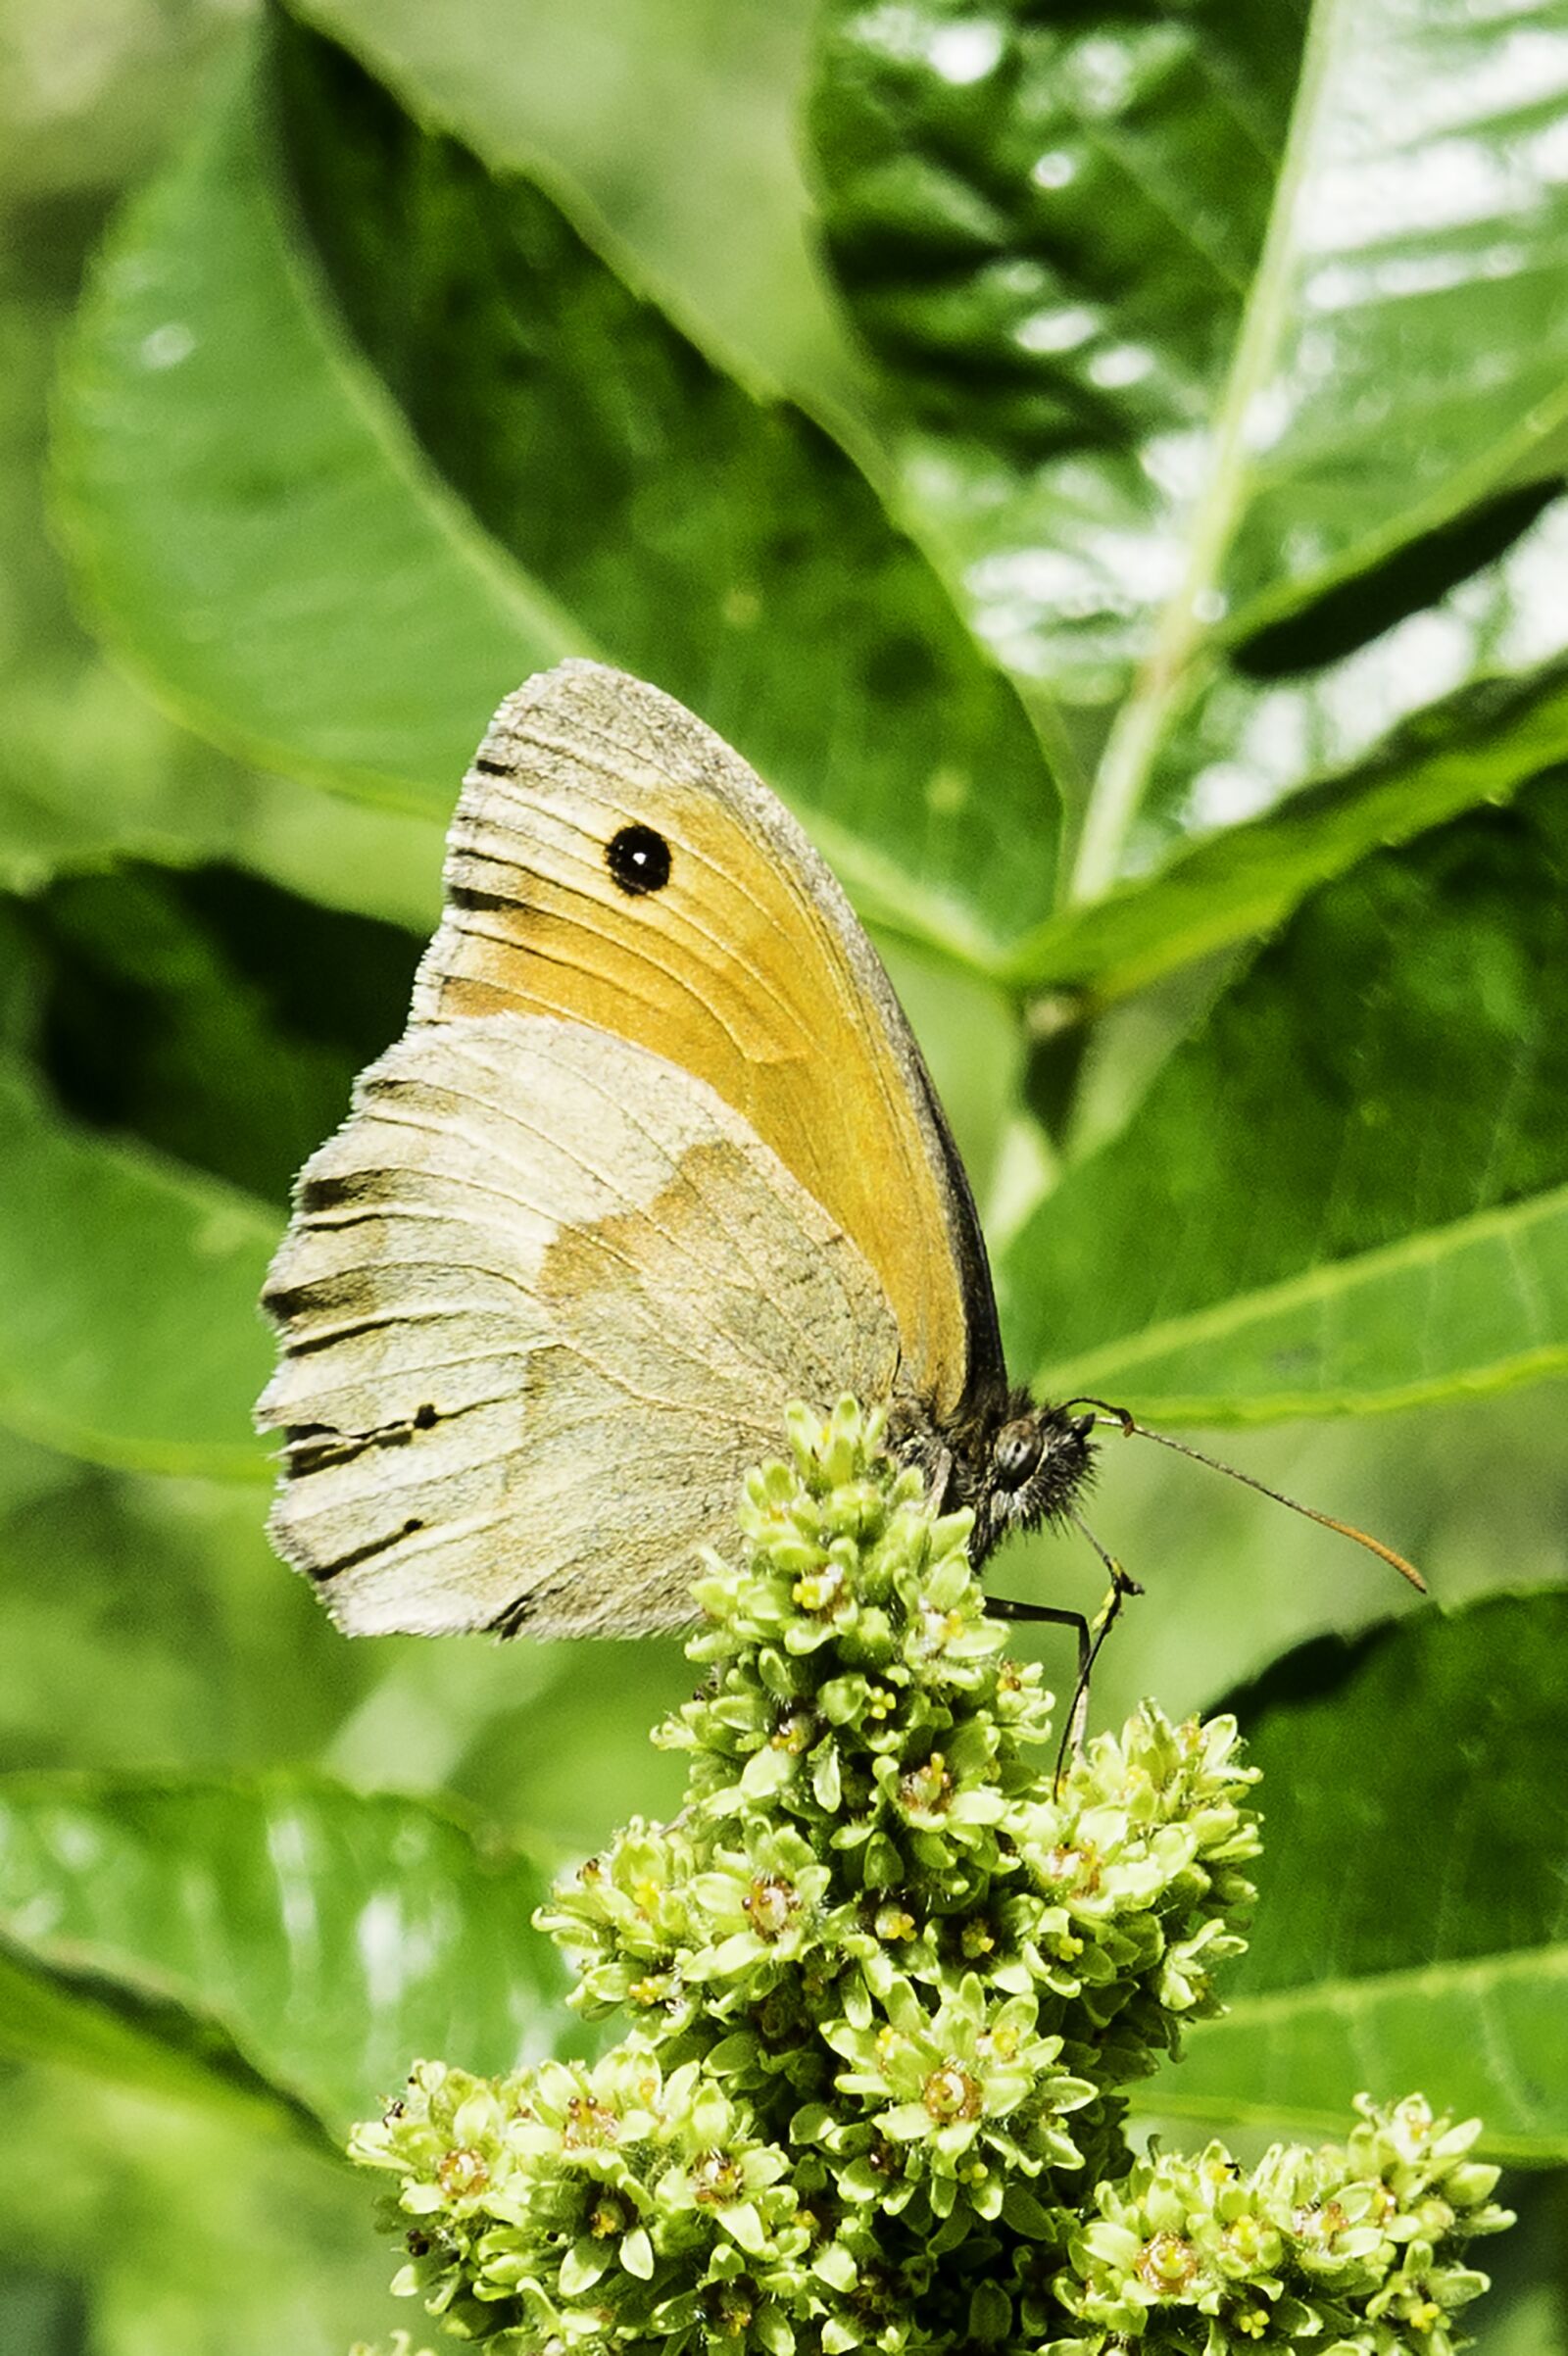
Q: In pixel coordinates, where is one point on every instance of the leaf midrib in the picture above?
(1185, 645)
(1354, 1991)
(1216, 1320)
(1128, 760)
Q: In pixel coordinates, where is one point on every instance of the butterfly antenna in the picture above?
(1090, 1642)
(1142, 1431)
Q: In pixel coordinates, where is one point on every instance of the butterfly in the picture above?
(657, 1154)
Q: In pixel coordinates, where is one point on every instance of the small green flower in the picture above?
(966, 2094)
(1308, 2244)
(627, 1914)
(887, 1978)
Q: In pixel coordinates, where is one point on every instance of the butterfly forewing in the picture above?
(612, 862)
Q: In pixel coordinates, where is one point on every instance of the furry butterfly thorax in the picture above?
(656, 1154)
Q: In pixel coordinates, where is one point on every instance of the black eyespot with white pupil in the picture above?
(637, 858)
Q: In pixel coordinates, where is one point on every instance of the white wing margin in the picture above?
(542, 1301)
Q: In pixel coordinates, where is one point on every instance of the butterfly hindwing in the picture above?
(541, 1302)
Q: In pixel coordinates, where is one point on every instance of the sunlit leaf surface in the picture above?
(1200, 320)
(1239, 881)
(324, 1938)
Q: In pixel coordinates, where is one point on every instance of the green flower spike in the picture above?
(887, 1984)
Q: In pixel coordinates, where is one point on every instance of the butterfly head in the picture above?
(1033, 1462)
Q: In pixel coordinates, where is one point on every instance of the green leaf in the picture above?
(149, 1619)
(129, 2035)
(1349, 1188)
(356, 433)
(186, 2230)
(162, 1029)
(248, 517)
(1527, 2307)
(211, 1015)
(285, 1936)
(1480, 746)
(665, 129)
(1412, 1919)
(42, 2314)
(1280, 713)
(1203, 321)
(64, 715)
(129, 1326)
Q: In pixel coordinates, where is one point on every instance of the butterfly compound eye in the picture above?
(1017, 1453)
(638, 859)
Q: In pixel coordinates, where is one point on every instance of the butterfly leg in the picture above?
(1008, 1607)
(1121, 1587)
(1090, 1637)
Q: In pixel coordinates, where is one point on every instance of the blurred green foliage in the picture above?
(1135, 549)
